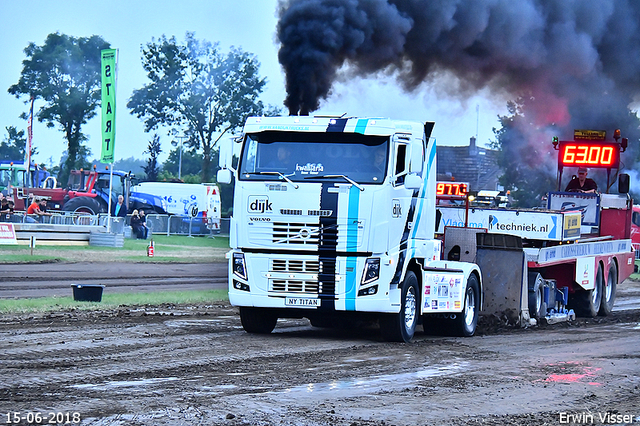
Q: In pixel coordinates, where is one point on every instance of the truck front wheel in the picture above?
(257, 320)
(401, 327)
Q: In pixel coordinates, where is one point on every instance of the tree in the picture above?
(82, 162)
(65, 73)
(13, 146)
(195, 87)
(191, 162)
(153, 149)
(526, 156)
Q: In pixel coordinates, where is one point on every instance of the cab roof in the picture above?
(374, 126)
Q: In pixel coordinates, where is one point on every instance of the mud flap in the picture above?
(504, 277)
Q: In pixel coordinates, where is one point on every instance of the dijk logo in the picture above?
(259, 204)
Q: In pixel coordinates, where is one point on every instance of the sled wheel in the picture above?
(587, 302)
(609, 292)
(537, 307)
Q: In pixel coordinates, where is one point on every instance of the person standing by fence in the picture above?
(144, 229)
(119, 210)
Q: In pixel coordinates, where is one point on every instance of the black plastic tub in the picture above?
(87, 293)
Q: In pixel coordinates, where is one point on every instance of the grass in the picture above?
(109, 301)
(175, 248)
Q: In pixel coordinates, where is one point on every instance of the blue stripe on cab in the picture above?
(352, 246)
(361, 125)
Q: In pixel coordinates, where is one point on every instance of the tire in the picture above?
(537, 306)
(464, 324)
(609, 291)
(257, 320)
(586, 303)
(401, 327)
(86, 205)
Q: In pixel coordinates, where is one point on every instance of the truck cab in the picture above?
(334, 220)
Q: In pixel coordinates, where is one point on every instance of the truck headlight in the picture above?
(239, 266)
(371, 271)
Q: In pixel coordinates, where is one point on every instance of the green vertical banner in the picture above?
(108, 71)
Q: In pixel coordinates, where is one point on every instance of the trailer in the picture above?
(336, 220)
(193, 201)
(576, 250)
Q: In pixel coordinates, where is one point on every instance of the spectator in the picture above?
(6, 211)
(38, 208)
(44, 208)
(119, 210)
(143, 225)
(136, 225)
(34, 207)
(12, 217)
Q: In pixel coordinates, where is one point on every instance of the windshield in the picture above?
(314, 156)
(11, 177)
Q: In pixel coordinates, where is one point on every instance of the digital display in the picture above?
(451, 188)
(592, 154)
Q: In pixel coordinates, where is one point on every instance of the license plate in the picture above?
(302, 301)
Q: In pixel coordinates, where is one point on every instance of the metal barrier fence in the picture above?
(164, 225)
(57, 218)
(157, 224)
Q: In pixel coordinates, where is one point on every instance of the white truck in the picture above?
(335, 220)
(184, 199)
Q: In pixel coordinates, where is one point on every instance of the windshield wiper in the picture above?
(351, 181)
(296, 186)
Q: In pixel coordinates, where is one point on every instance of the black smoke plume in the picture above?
(572, 54)
(576, 64)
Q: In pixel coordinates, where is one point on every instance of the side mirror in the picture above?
(417, 158)
(623, 183)
(223, 176)
(412, 181)
(225, 156)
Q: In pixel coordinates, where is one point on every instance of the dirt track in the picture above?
(55, 279)
(194, 365)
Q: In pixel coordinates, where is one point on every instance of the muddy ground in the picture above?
(194, 365)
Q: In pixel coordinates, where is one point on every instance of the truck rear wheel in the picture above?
(609, 292)
(465, 323)
(257, 320)
(587, 303)
(401, 327)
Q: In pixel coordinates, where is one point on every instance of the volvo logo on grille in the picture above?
(304, 233)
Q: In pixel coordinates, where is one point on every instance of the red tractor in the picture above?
(86, 192)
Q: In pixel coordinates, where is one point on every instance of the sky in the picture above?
(247, 24)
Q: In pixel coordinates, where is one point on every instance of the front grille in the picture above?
(295, 286)
(320, 280)
(295, 233)
(304, 266)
